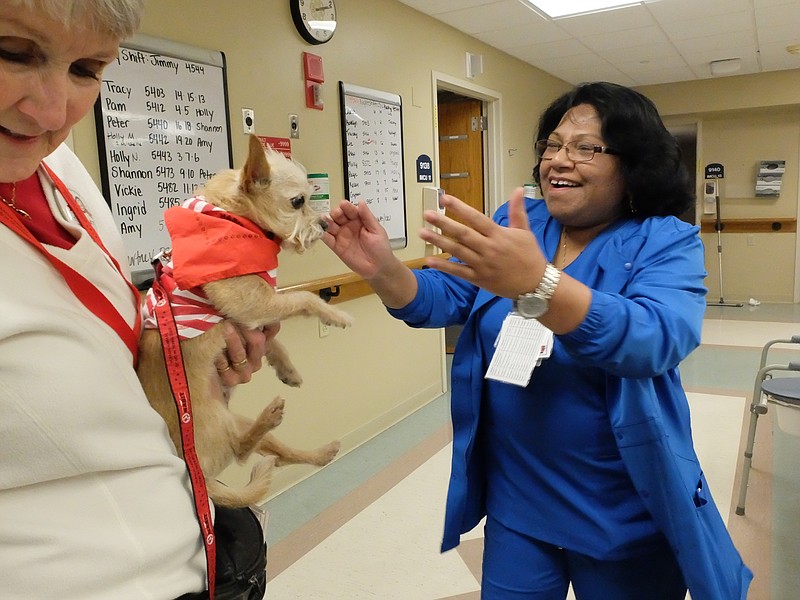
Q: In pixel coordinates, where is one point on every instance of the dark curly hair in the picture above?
(656, 180)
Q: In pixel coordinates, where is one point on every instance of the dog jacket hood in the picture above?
(208, 244)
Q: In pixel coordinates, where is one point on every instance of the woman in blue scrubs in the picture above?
(585, 472)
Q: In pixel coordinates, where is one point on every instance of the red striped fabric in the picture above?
(193, 312)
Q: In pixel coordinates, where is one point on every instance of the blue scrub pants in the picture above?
(517, 567)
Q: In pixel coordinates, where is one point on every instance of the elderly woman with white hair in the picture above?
(96, 503)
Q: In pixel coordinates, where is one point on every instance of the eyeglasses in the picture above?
(576, 151)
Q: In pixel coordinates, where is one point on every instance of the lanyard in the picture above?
(98, 304)
(91, 297)
(180, 391)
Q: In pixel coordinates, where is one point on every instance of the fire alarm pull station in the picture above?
(315, 77)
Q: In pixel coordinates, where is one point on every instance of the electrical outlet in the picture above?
(294, 127)
(324, 329)
(248, 120)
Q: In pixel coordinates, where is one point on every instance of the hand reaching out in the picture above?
(358, 239)
(506, 261)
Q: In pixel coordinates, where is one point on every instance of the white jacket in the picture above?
(94, 502)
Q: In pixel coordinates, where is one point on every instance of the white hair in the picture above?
(119, 18)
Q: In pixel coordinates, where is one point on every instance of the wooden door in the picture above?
(461, 149)
(460, 160)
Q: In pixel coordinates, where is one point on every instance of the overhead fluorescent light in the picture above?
(725, 66)
(556, 9)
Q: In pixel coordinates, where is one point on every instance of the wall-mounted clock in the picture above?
(315, 19)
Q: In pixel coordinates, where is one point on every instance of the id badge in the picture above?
(520, 346)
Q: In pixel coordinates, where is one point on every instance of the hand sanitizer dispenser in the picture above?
(710, 193)
(430, 201)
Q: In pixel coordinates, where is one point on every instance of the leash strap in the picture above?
(96, 302)
(91, 297)
(180, 391)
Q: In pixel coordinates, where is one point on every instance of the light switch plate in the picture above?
(248, 120)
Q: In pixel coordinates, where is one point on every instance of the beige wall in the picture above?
(360, 381)
(741, 121)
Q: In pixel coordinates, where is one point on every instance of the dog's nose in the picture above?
(324, 224)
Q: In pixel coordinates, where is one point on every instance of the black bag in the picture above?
(241, 557)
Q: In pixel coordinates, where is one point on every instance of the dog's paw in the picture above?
(325, 454)
(336, 318)
(290, 377)
(272, 415)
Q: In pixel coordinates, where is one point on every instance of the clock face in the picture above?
(315, 19)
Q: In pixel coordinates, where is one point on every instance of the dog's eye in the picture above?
(298, 201)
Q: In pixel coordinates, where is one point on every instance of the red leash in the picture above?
(97, 303)
(180, 391)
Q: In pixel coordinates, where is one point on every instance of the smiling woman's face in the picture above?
(585, 194)
(49, 79)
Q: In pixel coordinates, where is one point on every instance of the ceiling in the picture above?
(662, 41)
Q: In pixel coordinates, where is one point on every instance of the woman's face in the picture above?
(583, 194)
(49, 79)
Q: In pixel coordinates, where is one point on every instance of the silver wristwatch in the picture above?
(535, 304)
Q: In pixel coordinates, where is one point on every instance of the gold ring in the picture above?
(227, 368)
(240, 364)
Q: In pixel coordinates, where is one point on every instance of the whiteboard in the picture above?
(372, 147)
(162, 129)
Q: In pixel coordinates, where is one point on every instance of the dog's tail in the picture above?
(249, 495)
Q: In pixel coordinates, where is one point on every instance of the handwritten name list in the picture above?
(373, 147)
(164, 129)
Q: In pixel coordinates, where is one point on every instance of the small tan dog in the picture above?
(262, 207)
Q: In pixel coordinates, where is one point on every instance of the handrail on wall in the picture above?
(335, 289)
(778, 225)
(340, 288)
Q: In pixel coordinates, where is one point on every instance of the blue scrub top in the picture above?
(645, 316)
(554, 471)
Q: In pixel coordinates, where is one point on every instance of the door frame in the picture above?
(492, 138)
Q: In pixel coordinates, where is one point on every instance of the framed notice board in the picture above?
(162, 129)
(372, 147)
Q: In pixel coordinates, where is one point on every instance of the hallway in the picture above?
(369, 525)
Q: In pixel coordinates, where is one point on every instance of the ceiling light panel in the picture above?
(556, 9)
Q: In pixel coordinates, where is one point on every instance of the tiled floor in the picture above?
(369, 525)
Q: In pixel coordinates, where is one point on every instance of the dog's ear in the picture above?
(256, 169)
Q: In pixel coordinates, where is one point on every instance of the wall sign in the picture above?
(372, 150)
(162, 130)
(320, 200)
(715, 171)
(279, 144)
(424, 169)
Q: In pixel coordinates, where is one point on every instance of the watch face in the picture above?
(315, 19)
(531, 306)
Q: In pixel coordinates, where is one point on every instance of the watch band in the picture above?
(535, 304)
(549, 282)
